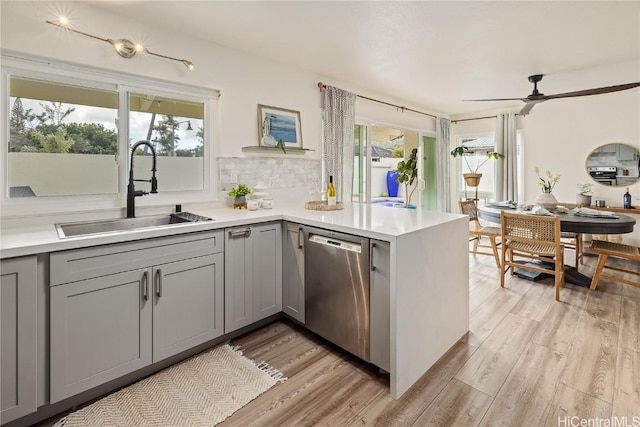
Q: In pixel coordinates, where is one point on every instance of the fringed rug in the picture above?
(201, 391)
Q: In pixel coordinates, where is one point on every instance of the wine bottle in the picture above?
(331, 193)
(627, 199)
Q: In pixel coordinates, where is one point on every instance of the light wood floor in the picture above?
(526, 361)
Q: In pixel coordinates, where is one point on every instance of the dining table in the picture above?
(606, 222)
(614, 223)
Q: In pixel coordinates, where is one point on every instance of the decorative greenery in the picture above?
(546, 185)
(407, 173)
(463, 151)
(239, 191)
(585, 189)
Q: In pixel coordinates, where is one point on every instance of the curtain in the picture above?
(506, 171)
(339, 113)
(444, 179)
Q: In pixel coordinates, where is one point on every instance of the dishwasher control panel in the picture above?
(347, 246)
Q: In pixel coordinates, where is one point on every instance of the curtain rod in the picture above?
(477, 118)
(322, 86)
(474, 118)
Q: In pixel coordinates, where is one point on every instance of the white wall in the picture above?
(244, 81)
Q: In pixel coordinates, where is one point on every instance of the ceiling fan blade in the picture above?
(529, 105)
(596, 91)
(498, 99)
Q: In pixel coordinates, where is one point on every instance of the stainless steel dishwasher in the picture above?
(337, 289)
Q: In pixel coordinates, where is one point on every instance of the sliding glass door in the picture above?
(428, 173)
(378, 150)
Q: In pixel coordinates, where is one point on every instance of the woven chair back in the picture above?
(544, 230)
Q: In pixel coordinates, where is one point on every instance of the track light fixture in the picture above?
(125, 48)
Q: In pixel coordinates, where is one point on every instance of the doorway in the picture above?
(378, 150)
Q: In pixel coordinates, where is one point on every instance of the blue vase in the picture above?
(392, 184)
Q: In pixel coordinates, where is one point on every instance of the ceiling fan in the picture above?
(537, 97)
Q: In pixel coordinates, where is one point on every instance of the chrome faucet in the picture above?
(132, 193)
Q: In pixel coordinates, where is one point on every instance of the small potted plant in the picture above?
(239, 194)
(472, 179)
(583, 198)
(407, 174)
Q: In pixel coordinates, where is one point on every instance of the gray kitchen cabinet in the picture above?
(626, 152)
(608, 148)
(100, 330)
(18, 351)
(188, 304)
(380, 304)
(106, 322)
(253, 274)
(293, 270)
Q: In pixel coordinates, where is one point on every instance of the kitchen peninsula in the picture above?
(428, 298)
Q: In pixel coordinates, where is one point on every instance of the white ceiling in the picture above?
(428, 53)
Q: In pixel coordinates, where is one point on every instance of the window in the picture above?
(473, 161)
(70, 132)
(63, 139)
(176, 130)
(478, 146)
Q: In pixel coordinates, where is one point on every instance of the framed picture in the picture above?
(279, 124)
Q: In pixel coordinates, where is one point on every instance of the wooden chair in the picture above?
(477, 231)
(533, 237)
(619, 250)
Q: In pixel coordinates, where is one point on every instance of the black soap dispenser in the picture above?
(627, 199)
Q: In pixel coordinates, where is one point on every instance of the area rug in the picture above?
(201, 391)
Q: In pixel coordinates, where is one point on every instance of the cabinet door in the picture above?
(626, 152)
(188, 304)
(267, 270)
(100, 330)
(238, 278)
(18, 322)
(293, 271)
(380, 304)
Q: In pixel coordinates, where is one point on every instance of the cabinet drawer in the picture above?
(80, 264)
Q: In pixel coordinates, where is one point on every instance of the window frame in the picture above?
(123, 84)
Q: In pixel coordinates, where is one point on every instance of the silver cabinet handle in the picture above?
(371, 266)
(237, 233)
(158, 283)
(299, 235)
(145, 285)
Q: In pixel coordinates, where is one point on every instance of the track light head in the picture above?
(123, 47)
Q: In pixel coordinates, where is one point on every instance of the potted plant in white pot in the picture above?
(583, 198)
(472, 178)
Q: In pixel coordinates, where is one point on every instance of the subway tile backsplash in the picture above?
(275, 173)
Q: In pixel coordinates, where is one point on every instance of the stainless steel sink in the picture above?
(73, 229)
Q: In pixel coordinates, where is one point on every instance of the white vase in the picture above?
(583, 200)
(546, 200)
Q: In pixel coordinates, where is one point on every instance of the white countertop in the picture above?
(18, 238)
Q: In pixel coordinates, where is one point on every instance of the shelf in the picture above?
(289, 150)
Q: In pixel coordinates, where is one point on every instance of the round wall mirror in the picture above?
(614, 164)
